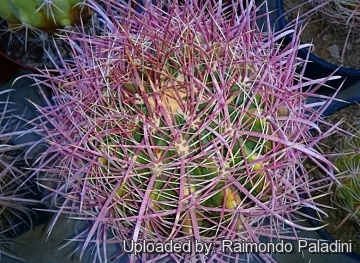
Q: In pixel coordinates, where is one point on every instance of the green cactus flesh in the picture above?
(45, 15)
(347, 193)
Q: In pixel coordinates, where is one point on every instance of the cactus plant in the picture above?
(45, 15)
(181, 126)
(17, 197)
(347, 193)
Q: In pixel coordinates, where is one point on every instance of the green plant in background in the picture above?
(30, 29)
(347, 193)
(45, 15)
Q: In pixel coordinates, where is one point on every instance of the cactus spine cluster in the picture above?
(16, 197)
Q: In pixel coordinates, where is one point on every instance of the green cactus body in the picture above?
(347, 194)
(45, 15)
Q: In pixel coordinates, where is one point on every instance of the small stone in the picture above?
(326, 37)
(334, 51)
(323, 54)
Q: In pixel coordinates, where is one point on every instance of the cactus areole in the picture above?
(45, 15)
(181, 126)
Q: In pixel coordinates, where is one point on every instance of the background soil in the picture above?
(329, 41)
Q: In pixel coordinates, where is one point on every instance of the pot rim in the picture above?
(332, 67)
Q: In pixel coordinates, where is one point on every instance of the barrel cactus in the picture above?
(180, 125)
(347, 193)
(45, 15)
(17, 197)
